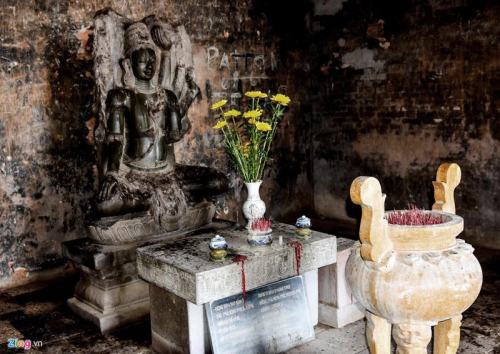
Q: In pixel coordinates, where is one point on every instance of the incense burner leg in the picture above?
(447, 336)
(412, 338)
(378, 334)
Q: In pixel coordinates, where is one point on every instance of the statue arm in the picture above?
(114, 148)
(179, 124)
(190, 93)
(117, 110)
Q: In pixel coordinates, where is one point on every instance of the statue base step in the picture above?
(109, 292)
(129, 228)
(107, 322)
(111, 303)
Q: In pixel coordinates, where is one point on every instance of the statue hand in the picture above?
(161, 35)
(193, 89)
(175, 135)
(190, 92)
(108, 188)
(185, 125)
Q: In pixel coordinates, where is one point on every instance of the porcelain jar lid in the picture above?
(218, 242)
(303, 222)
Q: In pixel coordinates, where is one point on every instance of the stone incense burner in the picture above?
(413, 277)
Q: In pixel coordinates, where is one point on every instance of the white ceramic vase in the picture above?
(253, 207)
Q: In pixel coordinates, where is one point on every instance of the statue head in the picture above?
(143, 63)
(141, 50)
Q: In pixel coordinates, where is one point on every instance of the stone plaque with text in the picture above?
(274, 319)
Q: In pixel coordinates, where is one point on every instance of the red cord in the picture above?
(241, 259)
(298, 253)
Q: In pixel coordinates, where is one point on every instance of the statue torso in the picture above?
(146, 145)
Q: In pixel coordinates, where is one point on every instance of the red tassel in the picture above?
(298, 253)
(241, 259)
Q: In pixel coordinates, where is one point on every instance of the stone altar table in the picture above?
(337, 305)
(182, 279)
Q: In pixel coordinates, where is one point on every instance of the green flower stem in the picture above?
(233, 151)
(277, 114)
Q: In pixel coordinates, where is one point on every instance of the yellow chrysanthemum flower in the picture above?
(262, 126)
(254, 113)
(220, 124)
(255, 94)
(218, 104)
(232, 113)
(252, 121)
(281, 99)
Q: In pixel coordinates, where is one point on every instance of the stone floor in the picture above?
(39, 313)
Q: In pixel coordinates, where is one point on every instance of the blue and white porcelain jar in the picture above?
(218, 248)
(303, 225)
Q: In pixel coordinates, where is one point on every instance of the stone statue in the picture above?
(144, 88)
(145, 85)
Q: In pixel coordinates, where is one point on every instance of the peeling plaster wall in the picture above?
(47, 115)
(401, 87)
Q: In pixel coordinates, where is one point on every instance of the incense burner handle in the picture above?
(447, 179)
(375, 242)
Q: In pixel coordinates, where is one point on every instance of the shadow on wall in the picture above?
(288, 23)
(72, 121)
(49, 178)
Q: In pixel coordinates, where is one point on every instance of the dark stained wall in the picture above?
(391, 99)
(47, 115)
(433, 95)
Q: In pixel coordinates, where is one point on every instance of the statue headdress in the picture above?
(137, 36)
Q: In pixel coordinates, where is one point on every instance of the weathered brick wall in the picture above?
(47, 153)
(397, 113)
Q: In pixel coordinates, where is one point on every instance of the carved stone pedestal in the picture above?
(110, 293)
(110, 307)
